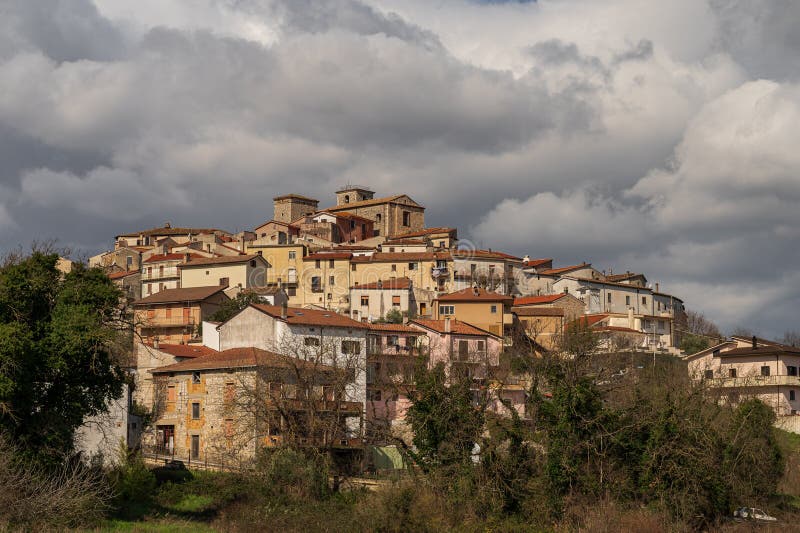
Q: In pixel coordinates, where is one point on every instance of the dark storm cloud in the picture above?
(644, 144)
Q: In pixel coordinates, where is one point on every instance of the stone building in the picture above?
(392, 215)
(290, 207)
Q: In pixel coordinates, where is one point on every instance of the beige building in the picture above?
(752, 368)
(488, 269)
(236, 271)
(542, 318)
(486, 310)
(372, 301)
(173, 315)
(206, 412)
(392, 215)
(440, 237)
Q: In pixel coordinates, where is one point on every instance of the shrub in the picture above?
(131, 480)
(293, 473)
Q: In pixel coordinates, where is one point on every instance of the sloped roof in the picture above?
(296, 197)
(536, 300)
(457, 327)
(391, 328)
(239, 358)
(165, 230)
(379, 257)
(122, 274)
(188, 294)
(389, 284)
(423, 232)
(484, 254)
(374, 201)
(185, 350)
(326, 256)
(471, 294)
(537, 262)
(223, 260)
(537, 311)
(562, 270)
(310, 317)
(171, 257)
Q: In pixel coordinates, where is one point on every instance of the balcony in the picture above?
(161, 273)
(158, 322)
(754, 381)
(440, 272)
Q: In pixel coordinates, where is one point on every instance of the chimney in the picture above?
(755, 343)
(630, 318)
(476, 291)
(284, 310)
(447, 324)
(657, 287)
(186, 257)
(526, 258)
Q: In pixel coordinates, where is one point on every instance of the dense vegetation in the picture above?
(609, 442)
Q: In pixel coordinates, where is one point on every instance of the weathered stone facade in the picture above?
(290, 207)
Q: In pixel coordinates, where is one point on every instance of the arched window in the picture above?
(347, 198)
(378, 217)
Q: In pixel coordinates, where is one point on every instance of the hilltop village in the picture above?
(307, 328)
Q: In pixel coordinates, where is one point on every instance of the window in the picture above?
(352, 224)
(317, 264)
(765, 370)
(463, 350)
(365, 301)
(481, 346)
(791, 370)
(412, 266)
(392, 340)
(406, 218)
(195, 378)
(373, 372)
(791, 395)
(316, 284)
(473, 269)
(331, 281)
(446, 309)
(395, 301)
(347, 198)
(195, 446)
(171, 393)
(195, 410)
(609, 297)
(252, 263)
(129, 261)
(374, 395)
(224, 282)
(292, 291)
(311, 341)
(644, 300)
(709, 374)
(493, 309)
(731, 372)
(351, 347)
(331, 263)
(411, 341)
(394, 268)
(353, 267)
(292, 254)
(627, 300)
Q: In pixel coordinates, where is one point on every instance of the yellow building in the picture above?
(243, 271)
(325, 280)
(487, 310)
(286, 266)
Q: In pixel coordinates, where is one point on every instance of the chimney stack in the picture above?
(755, 343)
(186, 257)
(284, 310)
(657, 287)
(447, 324)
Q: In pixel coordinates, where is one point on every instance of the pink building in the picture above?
(751, 368)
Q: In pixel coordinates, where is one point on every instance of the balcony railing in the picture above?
(156, 322)
(157, 273)
(754, 381)
(391, 349)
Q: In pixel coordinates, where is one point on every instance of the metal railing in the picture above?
(157, 273)
(754, 381)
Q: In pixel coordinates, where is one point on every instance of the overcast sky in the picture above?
(659, 137)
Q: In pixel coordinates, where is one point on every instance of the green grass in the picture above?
(193, 503)
(163, 525)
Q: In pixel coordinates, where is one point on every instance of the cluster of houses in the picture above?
(342, 301)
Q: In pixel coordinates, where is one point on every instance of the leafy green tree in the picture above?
(394, 316)
(62, 349)
(692, 344)
(230, 307)
(445, 423)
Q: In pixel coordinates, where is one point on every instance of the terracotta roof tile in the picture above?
(457, 327)
(169, 231)
(426, 231)
(296, 196)
(223, 260)
(537, 311)
(367, 203)
(381, 257)
(122, 274)
(484, 254)
(537, 262)
(326, 256)
(471, 294)
(536, 300)
(189, 294)
(561, 270)
(239, 358)
(396, 328)
(310, 317)
(185, 350)
(171, 257)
